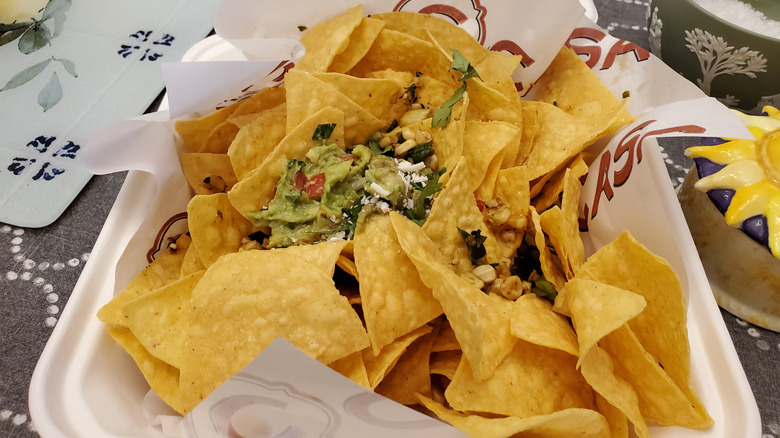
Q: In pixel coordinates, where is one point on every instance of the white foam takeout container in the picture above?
(86, 385)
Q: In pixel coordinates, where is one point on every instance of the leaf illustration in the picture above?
(8, 35)
(35, 38)
(26, 75)
(70, 67)
(59, 24)
(55, 7)
(51, 94)
(5, 27)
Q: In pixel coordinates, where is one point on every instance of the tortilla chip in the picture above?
(533, 320)
(532, 380)
(379, 365)
(598, 370)
(480, 322)
(395, 301)
(456, 208)
(161, 377)
(327, 39)
(582, 423)
(247, 299)
(257, 139)
(215, 226)
(158, 319)
(359, 43)
(163, 270)
(597, 309)
(208, 173)
(307, 95)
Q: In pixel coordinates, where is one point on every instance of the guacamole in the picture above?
(327, 195)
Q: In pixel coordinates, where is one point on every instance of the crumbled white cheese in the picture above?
(419, 178)
(341, 235)
(405, 166)
(383, 206)
(379, 190)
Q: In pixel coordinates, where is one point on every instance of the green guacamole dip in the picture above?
(329, 193)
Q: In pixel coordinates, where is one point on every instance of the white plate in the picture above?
(86, 385)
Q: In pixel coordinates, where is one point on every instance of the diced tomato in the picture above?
(299, 181)
(481, 204)
(347, 157)
(315, 186)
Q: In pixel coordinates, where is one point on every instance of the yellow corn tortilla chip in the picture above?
(561, 224)
(484, 146)
(660, 399)
(379, 365)
(454, 208)
(247, 299)
(215, 226)
(550, 191)
(445, 339)
(445, 363)
(448, 141)
(531, 126)
(489, 104)
(553, 145)
(395, 301)
(618, 423)
(551, 268)
(597, 309)
(534, 321)
(161, 377)
(307, 95)
(158, 319)
(191, 262)
(424, 26)
(572, 86)
(480, 322)
(532, 380)
(360, 42)
(352, 367)
(582, 423)
(661, 327)
(164, 269)
(411, 374)
(257, 139)
(195, 132)
(397, 51)
(219, 138)
(496, 70)
(513, 190)
(208, 173)
(380, 97)
(598, 370)
(258, 102)
(327, 39)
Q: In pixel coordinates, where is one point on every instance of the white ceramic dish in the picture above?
(86, 385)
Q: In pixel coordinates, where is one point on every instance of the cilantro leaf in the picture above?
(373, 146)
(475, 242)
(461, 64)
(417, 213)
(323, 131)
(351, 217)
(441, 117)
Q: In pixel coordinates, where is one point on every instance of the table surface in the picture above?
(39, 268)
